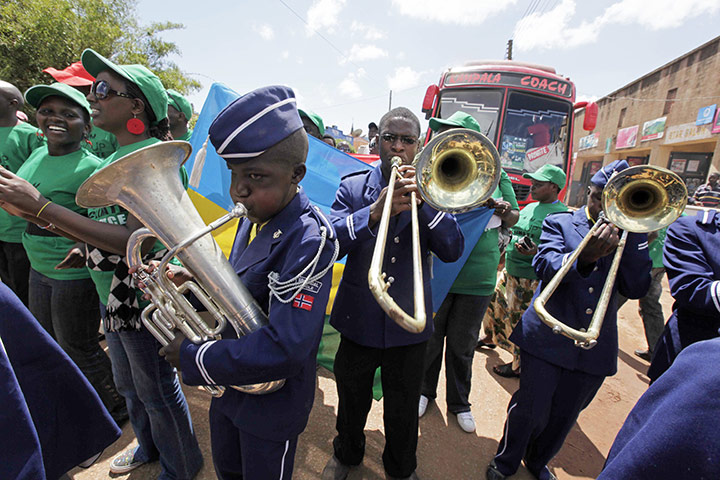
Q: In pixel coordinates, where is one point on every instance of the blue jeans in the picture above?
(68, 311)
(158, 411)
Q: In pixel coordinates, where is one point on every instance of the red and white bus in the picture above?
(525, 109)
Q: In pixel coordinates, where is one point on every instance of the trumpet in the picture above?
(639, 199)
(457, 171)
(147, 184)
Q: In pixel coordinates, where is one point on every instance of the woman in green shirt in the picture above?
(518, 281)
(130, 102)
(61, 294)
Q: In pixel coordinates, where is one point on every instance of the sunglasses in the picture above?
(101, 89)
(391, 137)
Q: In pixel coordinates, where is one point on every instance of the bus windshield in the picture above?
(483, 104)
(535, 132)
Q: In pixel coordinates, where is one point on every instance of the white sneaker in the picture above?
(422, 405)
(466, 421)
(125, 461)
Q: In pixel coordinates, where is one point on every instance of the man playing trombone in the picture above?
(558, 379)
(370, 338)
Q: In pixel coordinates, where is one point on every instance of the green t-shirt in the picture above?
(102, 144)
(530, 224)
(117, 215)
(656, 249)
(187, 136)
(57, 178)
(479, 274)
(16, 145)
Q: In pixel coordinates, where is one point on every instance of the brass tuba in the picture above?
(638, 199)
(147, 184)
(456, 171)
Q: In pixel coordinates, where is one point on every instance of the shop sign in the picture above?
(627, 137)
(589, 141)
(716, 123)
(653, 129)
(686, 132)
(706, 115)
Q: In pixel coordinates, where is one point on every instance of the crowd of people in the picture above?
(65, 270)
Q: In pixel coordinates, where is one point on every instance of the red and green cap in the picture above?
(179, 103)
(457, 119)
(35, 95)
(148, 83)
(548, 173)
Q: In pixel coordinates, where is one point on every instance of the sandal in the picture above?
(506, 371)
(481, 344)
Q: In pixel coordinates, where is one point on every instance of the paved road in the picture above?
(445, 451)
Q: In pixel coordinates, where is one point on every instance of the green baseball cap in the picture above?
(149, 84)
(315, 118)
(179, 103)
(457, 119)
(35, 95)
(548, 173)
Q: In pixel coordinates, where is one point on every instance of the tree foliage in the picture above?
(36, 34)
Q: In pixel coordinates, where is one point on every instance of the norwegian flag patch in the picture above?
(303, 301)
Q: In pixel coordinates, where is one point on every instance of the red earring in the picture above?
(135, 126)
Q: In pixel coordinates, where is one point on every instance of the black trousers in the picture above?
(401, 370)
(15, 269)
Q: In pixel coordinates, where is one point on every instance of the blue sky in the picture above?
(343, 57)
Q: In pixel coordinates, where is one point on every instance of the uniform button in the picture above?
(393, 259)
(396, 239)
(591, 290)
(391, 279)
(589, 311)
(595, 269)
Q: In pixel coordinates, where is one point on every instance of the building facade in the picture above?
(668, 118)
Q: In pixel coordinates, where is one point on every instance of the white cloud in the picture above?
(581, 97)
(265, 31)
(349, 87)
(558, 32)
(368, 31)
(403, 78)
(285, 54)
(457, 12)
(361, 53)
(323, 15)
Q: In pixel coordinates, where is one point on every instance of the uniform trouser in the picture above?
(457, 325)
(401, 374)
(541, 413)
(15, 269)
(68, 311)
(241, 455)
(651, 309)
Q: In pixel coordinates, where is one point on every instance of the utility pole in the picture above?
(508, 52)
(390, 101)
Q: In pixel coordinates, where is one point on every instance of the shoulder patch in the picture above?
(359, 172)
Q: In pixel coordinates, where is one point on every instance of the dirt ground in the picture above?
(444, 450)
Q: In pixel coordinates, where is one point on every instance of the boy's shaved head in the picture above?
(8, 91)
(292, 150)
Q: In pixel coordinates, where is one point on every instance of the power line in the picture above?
(661, 99)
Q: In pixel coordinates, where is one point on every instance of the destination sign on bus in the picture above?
(511, 79)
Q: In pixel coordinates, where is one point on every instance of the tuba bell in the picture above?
(639, 199)
(147, 184)
(455, 172)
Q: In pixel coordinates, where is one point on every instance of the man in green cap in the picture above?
(519, 281)
(312, 123)
(179, 114)
(459, 318)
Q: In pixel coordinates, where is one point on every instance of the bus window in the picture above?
(535, 133)
(484, 105)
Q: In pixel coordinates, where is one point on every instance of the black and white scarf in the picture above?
(123, 310)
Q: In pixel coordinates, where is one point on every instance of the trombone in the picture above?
(457, 171)
(639, 199)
